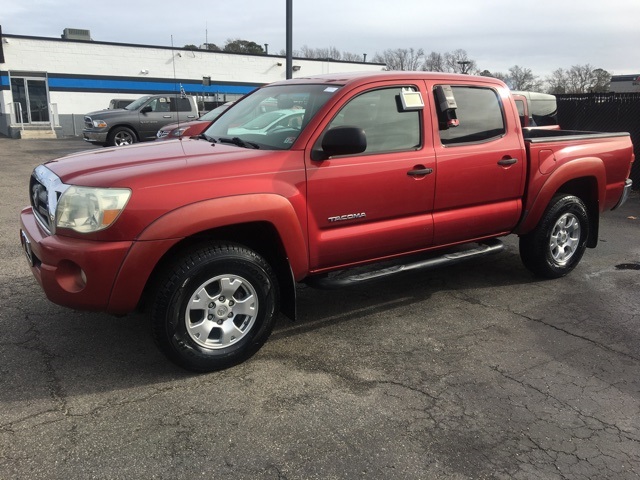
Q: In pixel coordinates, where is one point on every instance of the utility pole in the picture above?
(289, 39)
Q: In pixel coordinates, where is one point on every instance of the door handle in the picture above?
(166, 116)
(420, 171)
(507, 161)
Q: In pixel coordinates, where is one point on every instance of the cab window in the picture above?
(479, 113)
(386, 125)
(180, 104)
(160, 104)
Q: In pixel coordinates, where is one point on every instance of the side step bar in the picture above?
(487, 247)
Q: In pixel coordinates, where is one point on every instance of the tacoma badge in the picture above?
(350, 216)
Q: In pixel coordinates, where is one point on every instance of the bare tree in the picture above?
(601, 81)
(459, 62)
(434, 62)
(579, 79)
(401, 59)
(352, 57)
(320, 53)
(499, 75)
(557, 82)
(520, 78)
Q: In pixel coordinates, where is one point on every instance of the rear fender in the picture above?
(575, 169)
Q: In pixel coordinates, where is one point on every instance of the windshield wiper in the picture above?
(202, 136)
(239, 142)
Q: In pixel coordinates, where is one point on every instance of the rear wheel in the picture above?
(215, 307)
(557, 244)
(121, 136)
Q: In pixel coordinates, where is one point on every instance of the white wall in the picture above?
(97, 59)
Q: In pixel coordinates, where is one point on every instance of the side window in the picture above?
(159, 104)
(183, 105)
(153, 104)
(521, 112)
(379, 113)
(480, 115)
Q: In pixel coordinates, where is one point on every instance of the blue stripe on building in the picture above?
(96, 84)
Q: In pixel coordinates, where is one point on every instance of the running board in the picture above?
(487, 247)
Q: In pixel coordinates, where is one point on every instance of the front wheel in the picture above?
(121, 136)
(215, 307)
(557, 244)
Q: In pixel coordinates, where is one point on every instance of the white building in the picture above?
(48, 84)
(625, 83)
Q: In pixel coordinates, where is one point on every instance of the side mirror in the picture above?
(341, 141)
(146, 109)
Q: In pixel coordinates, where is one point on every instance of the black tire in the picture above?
(121, 136)
(240, 294)
(557, 244)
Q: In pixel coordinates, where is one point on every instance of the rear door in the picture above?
(481, 166)
(184, 108)
(376, 203)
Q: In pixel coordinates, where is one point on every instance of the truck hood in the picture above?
(106, 113)
(122, 166)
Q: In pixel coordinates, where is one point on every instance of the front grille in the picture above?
(45, 188)
(162, 133)
(39, 201)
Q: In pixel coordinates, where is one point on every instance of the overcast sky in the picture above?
(543, 35)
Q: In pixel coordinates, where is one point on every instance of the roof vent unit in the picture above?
(76, 34)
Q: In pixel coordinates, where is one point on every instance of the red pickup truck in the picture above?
(210, 235)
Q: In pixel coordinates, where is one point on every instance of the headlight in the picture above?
(99, 124)
(87, 210)
(179, 131)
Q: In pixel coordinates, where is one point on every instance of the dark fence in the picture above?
(604, 112)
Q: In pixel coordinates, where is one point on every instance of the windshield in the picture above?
(137, 103)
(272, 117)
(215, 113)
(263, 120)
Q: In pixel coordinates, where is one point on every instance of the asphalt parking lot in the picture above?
(474, 371)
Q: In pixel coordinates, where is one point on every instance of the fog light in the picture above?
(70, 276)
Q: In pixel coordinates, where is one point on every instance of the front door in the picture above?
(161, 114)
(376, 203)
(31, 104)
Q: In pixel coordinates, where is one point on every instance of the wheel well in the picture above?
(586, 188)
(130, 127)
(261, 237)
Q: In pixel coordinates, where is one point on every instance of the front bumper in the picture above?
(94, 137)
(72, 272)
(625, 194)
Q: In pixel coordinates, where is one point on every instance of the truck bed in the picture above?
(538, 135)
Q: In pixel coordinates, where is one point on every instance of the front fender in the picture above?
(159, 237)
(227, 211)
(538, 201)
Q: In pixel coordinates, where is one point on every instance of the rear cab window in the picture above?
(479, 115)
